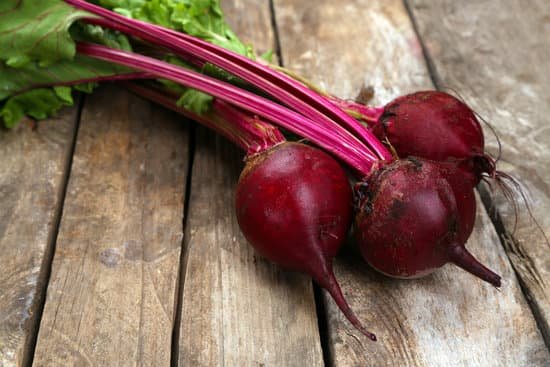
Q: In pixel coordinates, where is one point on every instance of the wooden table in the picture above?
(119, 246)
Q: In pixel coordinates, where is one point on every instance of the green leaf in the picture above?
(195, 101)
(17, 82)
(267, 56)
(32, 75)
(36, 30)
(85, 87)
(96, 34)
(37, 49)
(64, 94)
(37, 103)
(200, 18)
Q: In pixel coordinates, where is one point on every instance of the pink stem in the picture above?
(369, 114)
(171, 42)
(248, 132)
(278, 114)
(277, 84)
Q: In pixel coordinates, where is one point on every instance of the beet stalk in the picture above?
(282, 87)
(352, 154)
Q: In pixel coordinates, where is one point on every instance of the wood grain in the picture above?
(238, 309)
(110, 299)
(500, 63)
(33, 168)
(449, 318)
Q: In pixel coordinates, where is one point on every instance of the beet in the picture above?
(293, 201)
(294, 206)
(409, 224)
(463, 189)
(436, 126)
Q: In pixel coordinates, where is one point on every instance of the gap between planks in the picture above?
(320, 306)
(180, 283)
(46, 267)
(111, 293)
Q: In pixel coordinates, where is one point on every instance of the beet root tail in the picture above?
(464, 259)
(328, 281)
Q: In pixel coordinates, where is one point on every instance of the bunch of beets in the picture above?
(404, 173)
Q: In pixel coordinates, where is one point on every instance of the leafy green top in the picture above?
(200, 18)
(37, 49)
(36, 30)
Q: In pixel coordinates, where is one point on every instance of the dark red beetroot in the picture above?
(294, 206)
(409, 225)
(293, 201)
(463, 189)
(436, 126)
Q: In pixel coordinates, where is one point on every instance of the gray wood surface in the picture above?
(497, 55)
(33, 169)
(238, 309)
(110, 299)
(449, 318)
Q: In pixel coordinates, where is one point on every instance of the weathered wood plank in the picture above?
(449, 318)
(237, 309)
(110, 299)
(32, 178)
(500, 63)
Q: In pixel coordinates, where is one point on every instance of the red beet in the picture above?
(294, 206)
(293, 201)
(436, 126)
(463, 189)
(409, 224)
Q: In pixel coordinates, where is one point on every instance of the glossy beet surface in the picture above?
(463, 189)
(436, 126)
(294, 206)
(409, 224)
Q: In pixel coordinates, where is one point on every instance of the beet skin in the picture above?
(437, 126)
(410, 224)
(294, 205)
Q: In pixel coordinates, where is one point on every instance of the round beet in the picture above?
(436, 126)
(409, 223)
(294, 206)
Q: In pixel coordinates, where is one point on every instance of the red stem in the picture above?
(251, 102)
(277, 84)
(283, 94)
(248, 132)
(369, 114)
